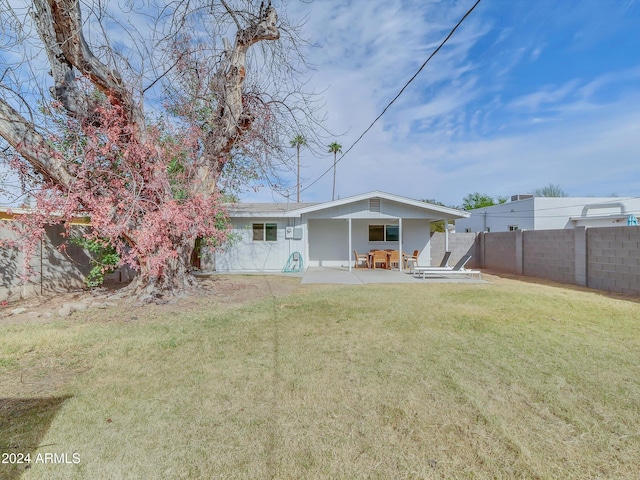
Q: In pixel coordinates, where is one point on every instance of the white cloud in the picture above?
(470, 121)
(535, 54)
(547, 96)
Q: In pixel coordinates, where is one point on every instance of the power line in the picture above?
(398, 95)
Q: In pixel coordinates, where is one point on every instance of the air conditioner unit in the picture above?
(515, 198)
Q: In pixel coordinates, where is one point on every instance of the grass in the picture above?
(507, 380)
(23, 423)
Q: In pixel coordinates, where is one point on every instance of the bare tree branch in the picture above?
(32, 146)
(153, 180)
(60, 27)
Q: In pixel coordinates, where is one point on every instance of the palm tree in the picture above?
(297, 142)
(334, 148)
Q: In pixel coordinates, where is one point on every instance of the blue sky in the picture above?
(526, 93)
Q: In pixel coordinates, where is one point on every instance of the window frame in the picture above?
(385, 232)
(268, 230)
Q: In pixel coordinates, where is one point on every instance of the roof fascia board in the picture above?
(446, 211)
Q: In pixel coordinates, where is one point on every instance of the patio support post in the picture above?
(400, 243)
(446, 235)
(350, 249)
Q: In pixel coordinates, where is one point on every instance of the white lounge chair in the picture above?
(455, 271)
(445, 260)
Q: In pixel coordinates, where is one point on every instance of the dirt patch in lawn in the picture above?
(104, 304)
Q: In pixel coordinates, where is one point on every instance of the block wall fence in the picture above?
(54, 270)
(604, 258)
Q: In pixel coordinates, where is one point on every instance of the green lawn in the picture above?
(500, 380)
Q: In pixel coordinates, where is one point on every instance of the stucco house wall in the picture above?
(498, 218)
(242, 253)
(329, 242)
(549, 213)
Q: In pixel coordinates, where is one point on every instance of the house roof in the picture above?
(11, 214)
(298, 209)
(264, 209)
(449, 212)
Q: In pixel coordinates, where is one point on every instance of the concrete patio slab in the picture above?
(363, 276)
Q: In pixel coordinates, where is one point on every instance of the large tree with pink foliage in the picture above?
(147, 118)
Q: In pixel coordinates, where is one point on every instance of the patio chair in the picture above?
(445, 273)
(410, 259)
(458, 266)
(379, 257)
(394, 259)
(361, 258)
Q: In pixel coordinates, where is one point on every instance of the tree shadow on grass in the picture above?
(23, 424)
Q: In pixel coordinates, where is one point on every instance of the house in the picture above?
(265, 237)
(526, 212)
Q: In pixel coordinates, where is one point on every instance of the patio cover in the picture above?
(389, 206)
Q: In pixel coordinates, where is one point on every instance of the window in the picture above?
(384, 233)
(265, 232)
(513, 228)
(392, 233)
(376, 233)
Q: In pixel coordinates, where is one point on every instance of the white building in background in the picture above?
(526, 212)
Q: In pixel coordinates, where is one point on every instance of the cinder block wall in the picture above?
(54, 271)
(500, 251)
(613, 262)
(606, 258)
(549, 254)
(66, 269)
(10, 268)
(459, 244)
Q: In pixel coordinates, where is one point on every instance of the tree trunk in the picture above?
(174, 280)
(298, 184)
(333, 193)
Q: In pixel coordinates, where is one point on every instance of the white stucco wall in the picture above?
(554, 213)
(416, 235)
(549, 213)
(329, 242)
(498, 218)
(245, 254)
